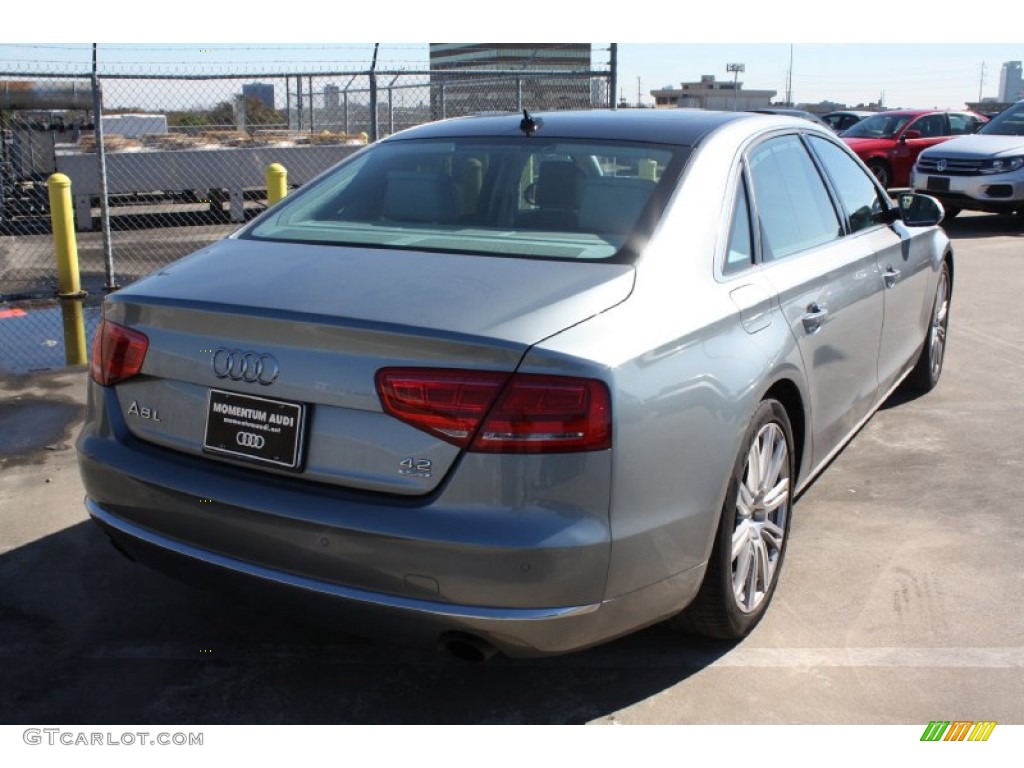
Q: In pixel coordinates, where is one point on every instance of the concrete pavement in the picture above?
(898, 601)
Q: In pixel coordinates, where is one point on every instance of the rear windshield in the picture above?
(1009, 122)
(514, 196)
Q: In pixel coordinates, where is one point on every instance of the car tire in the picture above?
(928, 368)
(880, 169)
(951, 211)
(752, 534)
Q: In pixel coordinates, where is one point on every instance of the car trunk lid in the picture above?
(268, 334)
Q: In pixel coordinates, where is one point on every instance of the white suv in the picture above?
(982, 172)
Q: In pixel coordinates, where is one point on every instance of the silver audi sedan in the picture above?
(518, 383)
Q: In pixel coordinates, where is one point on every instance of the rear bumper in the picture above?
(516, 632)
(516, 553)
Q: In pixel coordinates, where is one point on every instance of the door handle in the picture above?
(813, 318)
(890, 276)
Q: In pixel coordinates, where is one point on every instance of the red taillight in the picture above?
(117, 353)
(498, 412)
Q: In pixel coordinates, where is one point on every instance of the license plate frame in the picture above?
(255, 429)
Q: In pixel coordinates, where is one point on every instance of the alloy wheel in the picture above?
(762, 507)
(940, 321)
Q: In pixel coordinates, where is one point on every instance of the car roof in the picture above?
(685, 127)
(919, 112)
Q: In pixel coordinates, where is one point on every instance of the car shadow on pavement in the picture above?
(92, 638)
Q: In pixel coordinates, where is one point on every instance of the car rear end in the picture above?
(363, 429)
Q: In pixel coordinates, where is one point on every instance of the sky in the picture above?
(909, 54)
(899, 74)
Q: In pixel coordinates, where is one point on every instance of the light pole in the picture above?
(735, 69)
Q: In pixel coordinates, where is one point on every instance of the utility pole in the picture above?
(735, 69)
(639, 103)
(789, 79)
(981, 85)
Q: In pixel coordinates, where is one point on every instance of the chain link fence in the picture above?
(162, 165)
(184, 158)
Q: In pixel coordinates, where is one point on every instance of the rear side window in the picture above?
(740, 251)
(794, 209)
(960, 124)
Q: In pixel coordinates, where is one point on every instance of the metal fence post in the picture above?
(312, 111)
(374, 134)
(97, 116)
(391, 106)
(613, 85)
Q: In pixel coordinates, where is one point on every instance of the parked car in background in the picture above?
(518, 383)
(984, 172)
(791, 113)
(840, 120)
(889, 142)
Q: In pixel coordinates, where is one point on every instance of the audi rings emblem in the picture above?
(251, 367)
(250, 440)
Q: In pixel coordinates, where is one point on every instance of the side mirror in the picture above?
(920, 210)
(911, 134)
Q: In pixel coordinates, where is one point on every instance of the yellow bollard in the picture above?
(75, 352)
(69, 283)
(277, 183)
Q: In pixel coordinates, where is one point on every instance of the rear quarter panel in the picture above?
(686, 378)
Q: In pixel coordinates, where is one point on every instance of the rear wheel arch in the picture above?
(750, 539)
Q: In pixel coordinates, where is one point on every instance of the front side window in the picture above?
(855, 187)
(517, 196)
(793, 205)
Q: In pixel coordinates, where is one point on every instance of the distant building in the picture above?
(332, 97)
(455, 91)
(262, 92)
(571, 56)
(1011, 84)
(709, 93)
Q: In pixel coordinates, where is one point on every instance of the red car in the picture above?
(889, 142)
